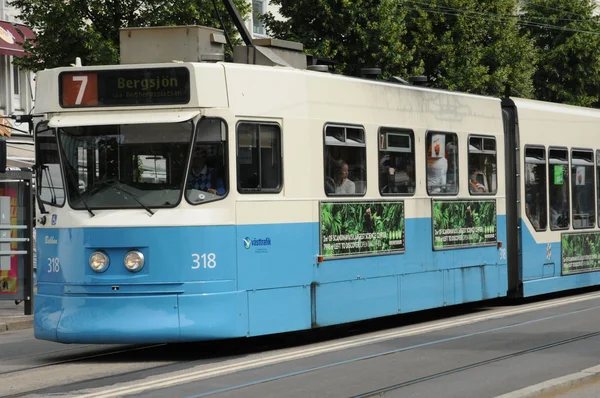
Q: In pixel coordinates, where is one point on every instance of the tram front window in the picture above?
(125, 166)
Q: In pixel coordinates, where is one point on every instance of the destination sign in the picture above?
(123, 87)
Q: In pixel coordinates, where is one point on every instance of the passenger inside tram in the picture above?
(559, 212)
(531, 212)
(437, 169)
(475, 185)
(343, 184)
(202, 177)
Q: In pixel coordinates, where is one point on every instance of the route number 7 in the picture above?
(79, 89)
(84, 81)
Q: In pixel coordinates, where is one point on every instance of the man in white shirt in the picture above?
(437, 169)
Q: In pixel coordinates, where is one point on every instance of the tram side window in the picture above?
(535, 187)
(558, 188)
(49, 181)
(345, 160)
(482, 165)
(442, 163)
(583, 188)
(396, 162)
(207, 178)
(259, 157)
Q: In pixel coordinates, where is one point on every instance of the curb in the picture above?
(16, 324)
(558, 385)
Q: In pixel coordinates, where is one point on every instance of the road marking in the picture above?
(325, 348)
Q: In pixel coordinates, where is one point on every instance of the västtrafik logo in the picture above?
(249, 242)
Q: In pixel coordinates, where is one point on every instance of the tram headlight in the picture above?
(134, 261)
(99, 262)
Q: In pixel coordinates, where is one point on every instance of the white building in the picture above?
(256, 28)
(16, 86)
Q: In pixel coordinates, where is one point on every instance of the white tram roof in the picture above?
(266, 91)
(557, 125)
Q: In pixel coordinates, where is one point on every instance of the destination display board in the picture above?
(124, 87)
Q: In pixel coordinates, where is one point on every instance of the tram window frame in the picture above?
(226, 158)
(544, 190)
(41, 170)
(456, 162)
(259, 145)
(118, 168)
(332, 161)
(554, 161)
(486, 152)
(573, 190)
(384, 150)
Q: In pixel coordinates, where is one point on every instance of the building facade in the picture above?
(259, 7)
(17, 88)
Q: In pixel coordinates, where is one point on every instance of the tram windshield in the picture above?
(125, 166)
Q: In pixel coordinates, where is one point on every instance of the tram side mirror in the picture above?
(3, 156)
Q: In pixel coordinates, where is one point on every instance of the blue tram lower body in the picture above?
(203, 283)
(542, 267)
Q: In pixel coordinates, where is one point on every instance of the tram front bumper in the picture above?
(111, 320)
(140, 319)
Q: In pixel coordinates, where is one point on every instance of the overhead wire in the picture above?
(492, 17)
(548, 7)
(492, 14)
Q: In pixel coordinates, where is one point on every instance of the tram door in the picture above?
(513, 198)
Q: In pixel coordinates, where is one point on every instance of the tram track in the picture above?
(393, 387)
(180, 358)
(74, 359)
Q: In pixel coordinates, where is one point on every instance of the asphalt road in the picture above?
(461, 352)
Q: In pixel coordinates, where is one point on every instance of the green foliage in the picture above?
(354, 33)
(463, 45)
(90, 28)
(471, 46)
(359, 227)
(568, 37)
(463, 223)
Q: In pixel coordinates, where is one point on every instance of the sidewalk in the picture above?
(12, 316)
(583, 384)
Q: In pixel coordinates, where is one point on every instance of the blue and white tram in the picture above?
(552, 184)
(197, 201)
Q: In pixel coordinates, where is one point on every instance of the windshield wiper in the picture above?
(109, 183)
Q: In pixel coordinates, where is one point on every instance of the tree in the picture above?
(466, 45)
(90, 28)
(471, 46)
(354, 33)
(568, 37)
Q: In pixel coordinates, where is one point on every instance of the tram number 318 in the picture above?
(204, 260)
(53, 264)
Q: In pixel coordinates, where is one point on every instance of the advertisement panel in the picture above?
(9, 266)
(580, 253)
(361, 228)
(463, 223)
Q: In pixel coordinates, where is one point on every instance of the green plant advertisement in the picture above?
(351, 228)
(580, 253)
(463, 223)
